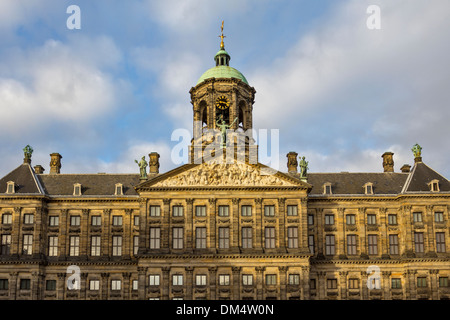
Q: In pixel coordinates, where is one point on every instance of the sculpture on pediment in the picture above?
(142, 167)
(303, 167)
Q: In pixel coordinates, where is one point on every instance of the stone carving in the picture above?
(303, 167)
(142, 167)
(417, 151)
(215, 174)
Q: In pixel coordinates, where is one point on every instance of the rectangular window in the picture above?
(6, 244)
(421, 282)
(178, 238)
(372, 244)
(7, 218)
(438, 217)
(269, 211)
(135, 285)
(247, 237)
(135, 245)
(177, 279)
(417, 216)
(94, 285)
(418, 242)
(292, 237)
(440, 241)
(247, 279)
(329, 219)
(155, 238)
(224, 238)
(393, 244)
(351, 244)
(312, 284)
(294, 279)
(27, 244)
(117, 246)
(25, 284)
(96, 221)
(53, 246)
(53, 221)
(28, 218)
(4, 285)
(329, 245)
(327, 189)
(331, 283)
(74, 221)
(177, 211)
(246, 211)
(117, 221)
(224, 211)
(392, 219)
(396, 283)
(443, 282)
(155, 211)
(310, 219)
(200, 238)
(371, 219)
(350, 219)
(200, 211)
(224, 279)
(311, 243)
(136, 221)
(50, 285)
(292, 210)
(74, 246)
(154, 280)
(269, 233)
(353, 283)
(200, 280)
(116, 285)
(271, 279)
(95, 246)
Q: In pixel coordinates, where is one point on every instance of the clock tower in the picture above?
(222, 99)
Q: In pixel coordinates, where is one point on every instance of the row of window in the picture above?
(396, 283)
(223, 211)
(371, 219)
(372, 243)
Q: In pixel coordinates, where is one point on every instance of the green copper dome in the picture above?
(222, 68)
(222, 72)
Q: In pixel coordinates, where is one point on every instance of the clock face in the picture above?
(222, 102)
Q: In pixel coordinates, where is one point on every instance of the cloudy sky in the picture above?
(340, 93)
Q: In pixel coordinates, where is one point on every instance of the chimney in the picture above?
(388, 162)
(154, 162)
(406, 168)
(292, 163)
(55, 163)
(39, 169)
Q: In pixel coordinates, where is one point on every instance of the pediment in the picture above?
(237, 174)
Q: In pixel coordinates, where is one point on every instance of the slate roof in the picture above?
(25, 180)
(91, 184)
(421, 176)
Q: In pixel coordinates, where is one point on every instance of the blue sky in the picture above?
(115, 90)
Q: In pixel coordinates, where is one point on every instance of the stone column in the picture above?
(84, 236)
(143, 229)
(384, 245)
(303, 212)
(322, 285)
(258, 226)
(38, 236)
(362, 232)
(16, 233)
(434, 285)
(364, 288)
(304, 281)
(320, 236)
(407, 231)
(343, 284)
(212, 283)
(236, 282)
(165, 283)
(189, 225)
(128, 239)
(105, 285)
(260, 282)
(386, 285)
(189, 282)
(235, 227)
(340, 235)
(126, 285)
(166, 232)
(63, 239)
(13, 285)
(83, 285)
(142, 272)
(211, 233)
(282, 224)
(429, 221)
(61, 286)
(283, 281)
(106, 244)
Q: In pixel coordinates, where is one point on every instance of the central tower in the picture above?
(222, 97)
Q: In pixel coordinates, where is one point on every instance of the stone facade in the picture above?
(224, 231)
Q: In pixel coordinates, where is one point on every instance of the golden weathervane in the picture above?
(222, 45)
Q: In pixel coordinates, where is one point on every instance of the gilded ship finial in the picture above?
(222, 45)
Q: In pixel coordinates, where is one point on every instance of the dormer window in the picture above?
(119, 189)
(368, 188)
(77, 189)
(10, 187)
(434, 185)
(327, 188)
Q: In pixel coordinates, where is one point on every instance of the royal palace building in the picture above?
(225, 227)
